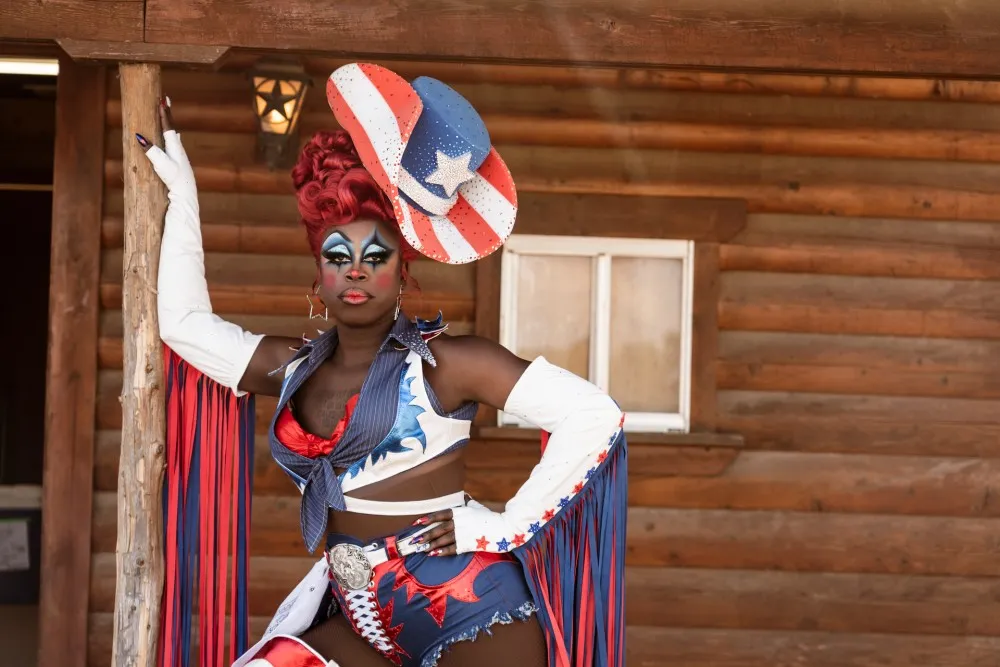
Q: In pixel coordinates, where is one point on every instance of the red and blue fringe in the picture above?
(206, 510)
(575, 568)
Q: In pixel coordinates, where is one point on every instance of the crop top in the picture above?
(397, 423)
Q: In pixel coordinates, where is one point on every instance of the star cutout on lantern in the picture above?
(275, 101)
(451, 172)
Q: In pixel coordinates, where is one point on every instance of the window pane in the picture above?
(646, 299)
(553, 310)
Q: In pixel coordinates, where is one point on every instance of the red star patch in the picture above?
(459, 587)
(578, 488)
(548, 515)
(518, 540)
(601, 457)
(482, 543)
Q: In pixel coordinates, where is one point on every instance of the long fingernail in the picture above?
(421, 521)
(143, 141)
(167, 98)
(423, 547)
(436, 552)
(417, 540)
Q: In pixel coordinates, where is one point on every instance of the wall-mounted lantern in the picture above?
(279, 88)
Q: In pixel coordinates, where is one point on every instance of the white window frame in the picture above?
(601, 250)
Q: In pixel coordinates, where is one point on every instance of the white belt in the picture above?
(404, 507)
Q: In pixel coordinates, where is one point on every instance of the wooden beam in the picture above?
(139, 547)
(85, 49)
(948, 38)
(71, 377)
(119, 20)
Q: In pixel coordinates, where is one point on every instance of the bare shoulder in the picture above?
(475, 368)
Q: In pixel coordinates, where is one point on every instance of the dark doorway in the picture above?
(27, 143)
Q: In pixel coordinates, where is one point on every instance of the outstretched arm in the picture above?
(582, 421)
(220, 349)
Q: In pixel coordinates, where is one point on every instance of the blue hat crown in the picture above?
(448, 144)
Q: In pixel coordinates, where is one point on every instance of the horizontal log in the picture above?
(880, 408)
(857, 198)
(775, 253)
(800, 541)
(857, 603)
(875, 352)
(246, 208)
(934, 323)
(229, 237)
(911, 144)
(772, 288)
(845, 433)
(830, 229)
(652, 647)
(856, 380)
(279, 300)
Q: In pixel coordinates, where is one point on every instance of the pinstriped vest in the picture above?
(396, 424)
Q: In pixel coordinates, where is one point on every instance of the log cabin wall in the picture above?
(859, 317)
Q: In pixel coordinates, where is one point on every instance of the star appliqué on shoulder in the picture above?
(563, 502)
(578, 488)
(503, 544)
(535, 527)
(451, 172)
(482, 543)
(519, 539)
(548, 515)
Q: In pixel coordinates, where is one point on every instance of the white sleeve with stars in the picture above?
(583, 422)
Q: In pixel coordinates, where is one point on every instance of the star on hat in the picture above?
(451, 172)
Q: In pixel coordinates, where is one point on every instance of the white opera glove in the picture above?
(583, 422)
(219, 349)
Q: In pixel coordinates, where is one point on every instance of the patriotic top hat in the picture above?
(429, 150)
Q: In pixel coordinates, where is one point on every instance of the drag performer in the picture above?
(374, 413)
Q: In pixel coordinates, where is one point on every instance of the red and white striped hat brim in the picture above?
(379, 109)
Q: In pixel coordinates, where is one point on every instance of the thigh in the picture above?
(521, 643)
(336, 640)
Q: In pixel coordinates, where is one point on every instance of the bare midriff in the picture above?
(440, 476)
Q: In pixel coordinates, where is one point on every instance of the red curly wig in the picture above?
(333, 187)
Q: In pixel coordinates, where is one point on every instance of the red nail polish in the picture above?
(421, 521)
(436, 552)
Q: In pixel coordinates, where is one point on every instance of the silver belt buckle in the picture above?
(350, 566)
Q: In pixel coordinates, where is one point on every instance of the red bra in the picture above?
(291, 434)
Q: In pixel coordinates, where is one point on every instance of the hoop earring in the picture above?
(326, 311)
(399, 301)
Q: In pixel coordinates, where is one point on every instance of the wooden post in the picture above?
(71, 384)
(139, 552)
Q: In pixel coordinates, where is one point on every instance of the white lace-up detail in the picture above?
(364, 614)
